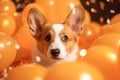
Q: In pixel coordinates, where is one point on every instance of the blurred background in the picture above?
(101, 11)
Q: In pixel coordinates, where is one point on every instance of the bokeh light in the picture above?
(7, 24)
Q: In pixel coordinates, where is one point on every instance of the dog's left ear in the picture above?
(75, 19)
(36, 20)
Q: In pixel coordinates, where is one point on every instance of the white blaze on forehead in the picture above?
(58, 28)
(57, 44)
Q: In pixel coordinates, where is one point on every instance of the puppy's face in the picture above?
(56, 41)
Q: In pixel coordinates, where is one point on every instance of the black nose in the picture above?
(55, 52)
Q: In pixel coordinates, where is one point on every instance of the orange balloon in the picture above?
(23, 56)
(27, 72)
(57, 10)
(7, 6)
(87, 17)
(18, 21)
(8, 48)
(73, 71)
(110, 39)
(24, 38)
(103, 29)
(87, 36)
(115, 19)
(104, 59)
(96, 26)
(7, 24)
(114, 28)
(118, 57)
(83, 44)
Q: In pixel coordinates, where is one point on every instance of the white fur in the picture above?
(57, 44)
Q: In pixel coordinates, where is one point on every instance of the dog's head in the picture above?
(56, 41)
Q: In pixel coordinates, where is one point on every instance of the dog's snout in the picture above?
(55, 52)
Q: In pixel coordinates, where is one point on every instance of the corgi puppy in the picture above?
(56, 42)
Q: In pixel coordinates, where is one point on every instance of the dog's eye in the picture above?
(65, 38)
(48, 37)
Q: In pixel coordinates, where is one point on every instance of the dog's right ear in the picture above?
(36, 21)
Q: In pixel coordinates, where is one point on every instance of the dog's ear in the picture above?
(36, 21)
(75, 19)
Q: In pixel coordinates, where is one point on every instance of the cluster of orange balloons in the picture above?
(8, 44)
(7, 22)
(8, 49)
(99, 57)
(104, 51)
(13, 37)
